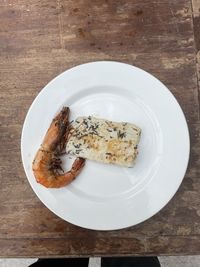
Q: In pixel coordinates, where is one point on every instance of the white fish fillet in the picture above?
(104, 141)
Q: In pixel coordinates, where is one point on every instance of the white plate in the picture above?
(105, 197)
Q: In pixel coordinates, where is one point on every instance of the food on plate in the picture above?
(47, 164)
(104, 141)
(86, 138)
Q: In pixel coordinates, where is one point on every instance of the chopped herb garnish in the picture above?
(95, 133)
(77, 146)
(121, 134)
(85, 122)
(79, 136)
(93, 127)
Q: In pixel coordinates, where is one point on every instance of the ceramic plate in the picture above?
(107, 197)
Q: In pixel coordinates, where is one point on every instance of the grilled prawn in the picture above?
(47, 164)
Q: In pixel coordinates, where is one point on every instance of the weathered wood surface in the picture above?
(40, 39)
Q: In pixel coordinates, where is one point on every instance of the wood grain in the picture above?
(39, 40)
(196, 25)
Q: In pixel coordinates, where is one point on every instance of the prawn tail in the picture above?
(77, 166)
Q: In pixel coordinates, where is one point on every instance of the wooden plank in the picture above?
(87, 247)
(175, 245)
(196, 25)
(156, 36)
(72, 247)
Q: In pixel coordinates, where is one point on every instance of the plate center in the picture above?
(102, 182)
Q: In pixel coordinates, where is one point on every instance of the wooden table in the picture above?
(38, 40)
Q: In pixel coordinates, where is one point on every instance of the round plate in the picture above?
(107, 197)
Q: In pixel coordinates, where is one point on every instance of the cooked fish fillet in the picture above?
(105, 141)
